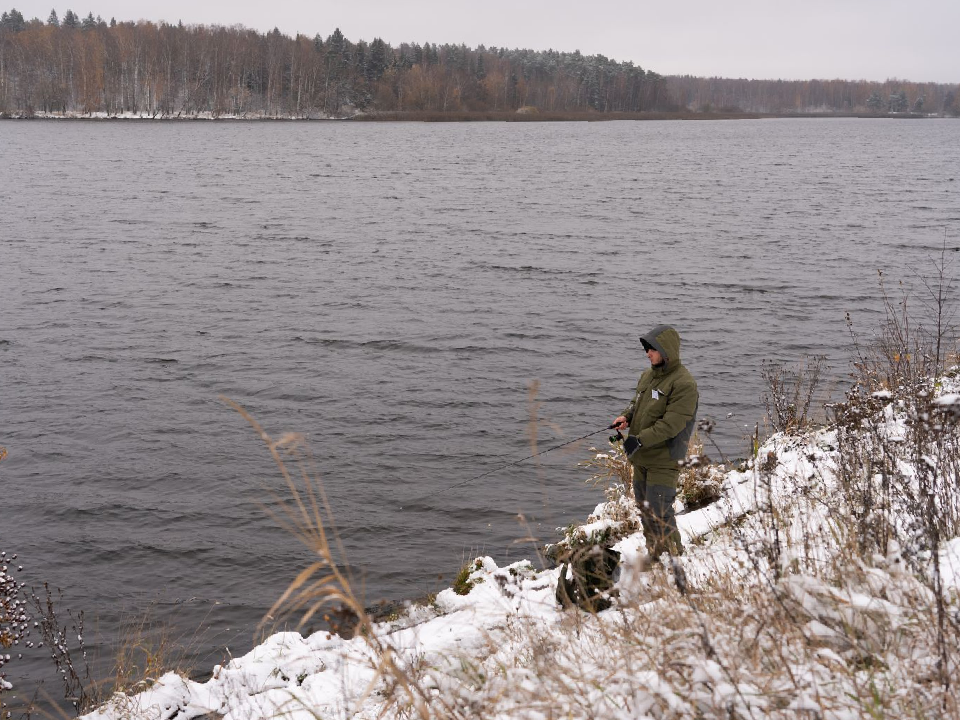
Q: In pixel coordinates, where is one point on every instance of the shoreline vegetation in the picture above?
(469, 116)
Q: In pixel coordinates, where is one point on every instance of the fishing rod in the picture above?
(613, 438)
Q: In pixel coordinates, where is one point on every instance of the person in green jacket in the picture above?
(659, 422)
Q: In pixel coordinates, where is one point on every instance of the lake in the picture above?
(393, 292)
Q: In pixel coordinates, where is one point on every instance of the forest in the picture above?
(89, 66)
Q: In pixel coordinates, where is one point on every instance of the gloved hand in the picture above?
(631, 445)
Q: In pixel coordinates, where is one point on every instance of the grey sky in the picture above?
(849, 39)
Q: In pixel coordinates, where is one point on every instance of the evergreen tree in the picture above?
(360, 58)
(53, 20)
(948, 100)
(12, 21)
(70, 20)
(480, 72)
(336, 44)
(377, 65)
(89, 22)
(898, 101)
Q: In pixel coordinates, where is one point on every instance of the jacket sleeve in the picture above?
(681, 409)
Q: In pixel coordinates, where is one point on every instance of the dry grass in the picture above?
(305, 513)
(700, 479)
(326, 585)
(146, 650)
(791, 394)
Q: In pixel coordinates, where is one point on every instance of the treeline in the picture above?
(88, 65)
(780, 97)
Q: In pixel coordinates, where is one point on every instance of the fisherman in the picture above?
(659, 421)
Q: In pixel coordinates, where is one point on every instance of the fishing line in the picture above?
(517, 462)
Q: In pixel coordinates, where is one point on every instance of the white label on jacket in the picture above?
(655, 393)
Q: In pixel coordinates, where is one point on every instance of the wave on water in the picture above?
(411, 366)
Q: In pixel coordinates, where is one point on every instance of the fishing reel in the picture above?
(615, 438)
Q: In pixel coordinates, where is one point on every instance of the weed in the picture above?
(791, 392)
(462, 584)
(700, 482)
(146, 650)
(71, 664)
(609, 468)
(14, 618)
(327, 582)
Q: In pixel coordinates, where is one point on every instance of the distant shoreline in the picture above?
(467, 116)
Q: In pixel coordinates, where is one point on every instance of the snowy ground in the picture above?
(855, 644)
(205, 115)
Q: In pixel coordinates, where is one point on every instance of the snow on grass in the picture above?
(783, 617)
(201, 115)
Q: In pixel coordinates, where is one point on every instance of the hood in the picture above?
(665, 340)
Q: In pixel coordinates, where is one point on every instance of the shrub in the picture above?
(14, 619)
(462, 585)
(791, 392)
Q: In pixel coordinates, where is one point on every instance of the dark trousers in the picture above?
(655, 489)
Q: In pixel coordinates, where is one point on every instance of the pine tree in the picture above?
(336, 44)
(360, 58)
(12, 21)
(89, 22)
(898, 101)
(377, 65)
(70, 20)
(53, 20)
(948, 101)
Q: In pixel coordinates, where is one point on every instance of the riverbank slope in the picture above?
(825, 580)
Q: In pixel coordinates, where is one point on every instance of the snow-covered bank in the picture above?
(787, 612)
(205, 115)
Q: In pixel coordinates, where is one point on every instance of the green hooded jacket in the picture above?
(664, 409)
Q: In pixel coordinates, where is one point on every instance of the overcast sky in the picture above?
(851, 39)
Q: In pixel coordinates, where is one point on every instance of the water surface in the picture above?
(391, 291)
